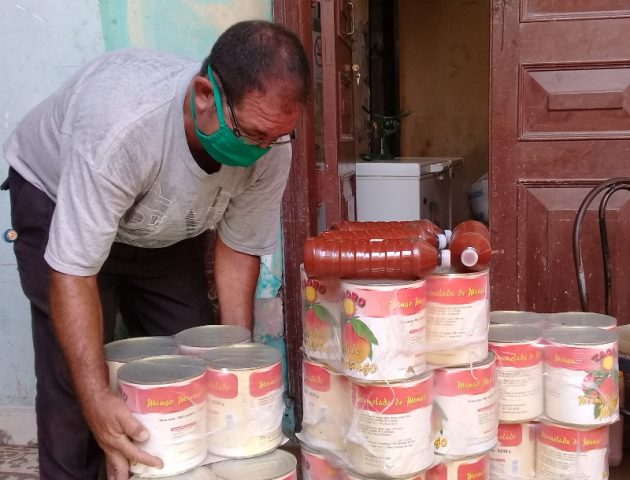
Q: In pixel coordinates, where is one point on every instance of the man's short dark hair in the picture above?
(251, 55)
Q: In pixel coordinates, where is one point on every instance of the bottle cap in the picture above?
(445, 258)
(469, 257)
(448, 234)
(442, 242)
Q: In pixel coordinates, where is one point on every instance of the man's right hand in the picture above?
(115, 429)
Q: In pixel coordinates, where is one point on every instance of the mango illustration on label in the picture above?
(318, 320)
(357, 338)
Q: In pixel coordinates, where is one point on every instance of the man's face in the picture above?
(263, 118)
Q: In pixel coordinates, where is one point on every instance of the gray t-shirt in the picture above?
(109, 148)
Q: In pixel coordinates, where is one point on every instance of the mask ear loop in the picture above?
(217, 100)
(217, 97)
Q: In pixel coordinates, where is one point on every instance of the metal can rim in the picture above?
(213, 336)
(270, 466)
(242, 356)
(580, 336)
(161, 370)
(129, 349)
(504, 333)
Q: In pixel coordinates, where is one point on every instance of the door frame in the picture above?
(299, 205)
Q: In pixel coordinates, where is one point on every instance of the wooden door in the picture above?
(337, 173)
(560, 123)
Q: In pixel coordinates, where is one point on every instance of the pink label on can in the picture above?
(318, 467)
(586, 359)
(222, 384)
(262, 383)
(439, 472)
(457, 290)
(464, 382)
(390, 400)
(384, 303)
(510, 434)
(290, 476)
(517, 356)
(474, 471)
(163, 399)
(571, 440)
(316, 377)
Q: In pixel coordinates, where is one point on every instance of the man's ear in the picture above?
(204, 95)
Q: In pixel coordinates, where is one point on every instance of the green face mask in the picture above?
(223, 145)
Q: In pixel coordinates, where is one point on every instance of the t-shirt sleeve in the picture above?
(90, 204)
(252, 219)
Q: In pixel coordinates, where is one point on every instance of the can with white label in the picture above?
(471, 468)
(383, 329)
(198, 340)
(569, 452)
(466, 411)
(327, 406)
(167, 394)
(518, 352)
(277, 465)
(581, 376)
(245, 406)
(124, 351)
(458, 307)
(390, 434)
(515, 454)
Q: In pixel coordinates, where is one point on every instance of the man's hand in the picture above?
(115, 429)
(77, 316)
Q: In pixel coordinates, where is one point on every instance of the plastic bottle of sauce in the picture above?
(470, 247)
(394, 259)
(423, 225)
(437, 241)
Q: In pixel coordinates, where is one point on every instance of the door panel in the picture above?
(337, 174)
(560, 124)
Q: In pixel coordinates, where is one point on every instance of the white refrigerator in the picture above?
(406, 188)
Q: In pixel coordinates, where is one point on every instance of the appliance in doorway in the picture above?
(406, 188)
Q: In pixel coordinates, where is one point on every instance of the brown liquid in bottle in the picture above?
(384, 233)
(400, 259)
(470, 247)
(426, 225)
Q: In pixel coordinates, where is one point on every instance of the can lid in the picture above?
(243, 356)
(516, 317)
(212, 336)
(513, 333)
(469, 257)
(582, 319)
(276, 464)
(381, 284)
(162, 369)
(467, 366)
(580, 335)
(393, 383)
(129, 349)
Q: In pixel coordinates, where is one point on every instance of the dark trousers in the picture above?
(158, 292)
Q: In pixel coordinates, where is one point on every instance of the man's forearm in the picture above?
(236, 276)
(77, 317)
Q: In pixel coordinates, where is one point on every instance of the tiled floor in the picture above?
(20, 463)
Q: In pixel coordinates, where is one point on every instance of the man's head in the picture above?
(256, 55)
(258, 72)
